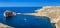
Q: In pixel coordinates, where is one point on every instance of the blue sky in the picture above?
(28, 3)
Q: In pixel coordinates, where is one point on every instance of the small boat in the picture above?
(9, 13)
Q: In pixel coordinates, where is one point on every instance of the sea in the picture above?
(25, 21)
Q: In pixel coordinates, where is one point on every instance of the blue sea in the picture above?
(24, 21)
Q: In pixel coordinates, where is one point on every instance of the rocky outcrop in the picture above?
(5, 26)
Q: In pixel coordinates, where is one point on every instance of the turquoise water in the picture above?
(23, 21)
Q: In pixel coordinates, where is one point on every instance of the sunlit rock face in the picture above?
(53, 12)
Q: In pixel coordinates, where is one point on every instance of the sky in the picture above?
(28, 3)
